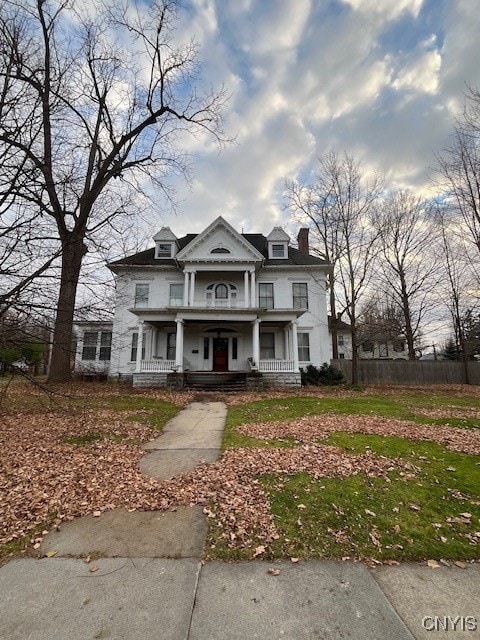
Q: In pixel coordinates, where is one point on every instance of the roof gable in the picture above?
(219, 242)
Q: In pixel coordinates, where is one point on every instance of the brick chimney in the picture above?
(302, 240)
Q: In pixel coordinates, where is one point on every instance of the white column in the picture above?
(256, 341)
(192, 288)
(295, 346)
(185, 289)
(286, 335)
(179, 346)
(246, 278)
(253, 302)
(138, 364)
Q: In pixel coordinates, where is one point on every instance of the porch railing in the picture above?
(157, 365)
(276, 365)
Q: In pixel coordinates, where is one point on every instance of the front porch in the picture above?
(216, 381)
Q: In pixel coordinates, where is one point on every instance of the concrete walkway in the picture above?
(146, 580)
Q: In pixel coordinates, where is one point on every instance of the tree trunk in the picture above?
(333, 314)
(61, 356)
(354, 354)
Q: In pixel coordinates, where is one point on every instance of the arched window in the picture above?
(220, 250)
(221, 294)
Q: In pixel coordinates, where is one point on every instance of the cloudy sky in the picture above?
(380, 79)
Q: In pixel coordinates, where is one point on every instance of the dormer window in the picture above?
(278, 250)
(165, 243)
(278, 242)
(164, 250)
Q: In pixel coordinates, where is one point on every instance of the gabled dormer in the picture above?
(165, 244)
(277, 242)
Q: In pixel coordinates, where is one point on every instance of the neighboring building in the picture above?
(344, 339)
(383, 349)
(376, 346)
(217, 301)
(93, 347)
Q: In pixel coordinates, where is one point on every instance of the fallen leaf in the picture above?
(97, 514)
(273, 572)
(460, 565)
(301, 506)
(433, 564)
(51, 554)
(259, 550)
(294, 560)
(93, 569)
(370, 513)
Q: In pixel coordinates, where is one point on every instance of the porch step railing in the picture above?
(157, 365)
(276, 365)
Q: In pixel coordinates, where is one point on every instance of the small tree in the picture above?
(450, 350)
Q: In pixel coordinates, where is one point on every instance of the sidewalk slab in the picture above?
(315, 599)
(124, 599)
(191, 439)
(419, 593)
(139, 534)
(207, 415)
(165, 464)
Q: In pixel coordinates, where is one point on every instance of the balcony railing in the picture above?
(232, 303)
(276, 365)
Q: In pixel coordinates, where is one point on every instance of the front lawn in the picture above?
(428, 507)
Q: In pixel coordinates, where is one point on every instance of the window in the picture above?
(265, 295)
(341, 340)
(221, 295)
(141, 295)
(234, 348)
(176, 295)
(164, 250)
(303, 347)
(398, 346)
(206, 348)
(133, 352)
(300, 295)
(341, 356)
(105, 345)
(171, 346)
(267, 346)
(278, 250)
(367, 346)
(220, 250)
(89, 351)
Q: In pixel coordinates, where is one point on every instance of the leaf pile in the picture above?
(46, 480)
(314, 428)
(240, 507)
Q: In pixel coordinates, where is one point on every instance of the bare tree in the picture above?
(405, 271)
(339, 207)
(459, 281)
(458, 167)
(95, 103)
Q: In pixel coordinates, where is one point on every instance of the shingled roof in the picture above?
(257, 240)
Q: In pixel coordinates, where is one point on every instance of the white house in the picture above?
(218, 301)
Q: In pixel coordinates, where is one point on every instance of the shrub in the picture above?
(326, 375)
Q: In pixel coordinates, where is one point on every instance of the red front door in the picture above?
(220, 354)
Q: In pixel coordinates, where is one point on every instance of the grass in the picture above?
(409, 516)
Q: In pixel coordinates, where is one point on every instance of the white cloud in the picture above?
(420, 74)
(387, 9)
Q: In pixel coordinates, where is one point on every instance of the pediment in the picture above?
(219, 242)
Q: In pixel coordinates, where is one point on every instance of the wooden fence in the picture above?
(407, 372)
